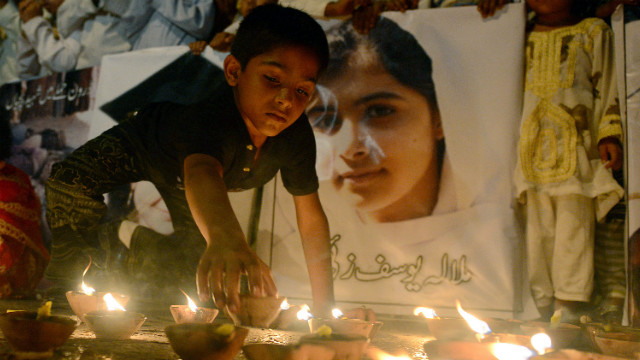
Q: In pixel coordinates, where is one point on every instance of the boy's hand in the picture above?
(219, 272)
(339, 8)
(222, 41)
(611, 152)
(197, 47)
(365, 15)
(488, 8)
(401, 5)
(29, 9)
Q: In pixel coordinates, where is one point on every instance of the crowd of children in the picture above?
(571, 140)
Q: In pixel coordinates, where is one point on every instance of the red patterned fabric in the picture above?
(23, 256)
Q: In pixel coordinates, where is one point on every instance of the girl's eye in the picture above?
(327, 123)
(375, 111)
(303, 92)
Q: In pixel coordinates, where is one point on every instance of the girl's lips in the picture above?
(361, 176)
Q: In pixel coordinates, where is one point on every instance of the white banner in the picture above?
(393, 247)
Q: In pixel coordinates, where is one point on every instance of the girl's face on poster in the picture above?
(382, 137)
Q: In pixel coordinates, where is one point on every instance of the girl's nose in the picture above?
(352, 141)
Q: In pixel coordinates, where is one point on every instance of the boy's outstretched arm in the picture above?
(314, 232)
(227, 255)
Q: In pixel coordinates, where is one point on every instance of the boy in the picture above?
(253, 127)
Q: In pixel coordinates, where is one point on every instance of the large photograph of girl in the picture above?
(415, 157)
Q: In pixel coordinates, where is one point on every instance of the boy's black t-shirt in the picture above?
(170, 132)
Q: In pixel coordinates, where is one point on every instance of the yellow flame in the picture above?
(304, 313)
(506, 351)
(426, 312)
(377, 354)
(475, 324)
(541, 342)
(87, 289)
(192, 305)
(285, 305)
(112, 303)
(337, 313)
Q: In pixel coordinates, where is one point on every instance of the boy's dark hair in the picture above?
(270, 26)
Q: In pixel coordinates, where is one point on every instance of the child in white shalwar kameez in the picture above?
(570, 138)
(83, 33)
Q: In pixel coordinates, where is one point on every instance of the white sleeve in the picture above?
(192, 16)
(57, 54)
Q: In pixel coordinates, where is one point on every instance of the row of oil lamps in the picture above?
(195, 337)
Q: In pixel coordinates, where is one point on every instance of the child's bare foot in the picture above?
(197, 47)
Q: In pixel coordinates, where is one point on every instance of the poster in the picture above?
(401, 236)
(49, 117)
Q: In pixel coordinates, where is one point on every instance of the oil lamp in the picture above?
(115, 323)
(191, 313)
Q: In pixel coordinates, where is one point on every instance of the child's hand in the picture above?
(222, 41)
(488, 8)
(197, 47)
(611, 152)
(339, 8)
(401, 5)
(605, 10)
(365, 15)
(29, 9)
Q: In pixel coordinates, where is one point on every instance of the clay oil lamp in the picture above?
(619, 341)
(256, 311)
(342, 325)
(377, 354)
(205, 341)
(466, 350)
(288, 352)
(572, 354)
(445, 328)
(487, 345)
(562, 335)
(191, 313)
(115, 323)
(346, 346)
(35, 335)
(87, 299)
(288, 318)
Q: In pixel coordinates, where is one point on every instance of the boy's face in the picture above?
(274, 88)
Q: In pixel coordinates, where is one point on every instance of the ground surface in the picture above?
(150, 342)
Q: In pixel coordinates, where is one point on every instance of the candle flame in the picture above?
(377, 354)
(112, 303)
(304, 313)
(541, 342)
(285, 305)
(506, 351)
(426, 312)
(475, 324)
(192, 305)
(87, 289)
(337, 313)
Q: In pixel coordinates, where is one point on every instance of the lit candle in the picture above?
(480, 327)
(304, 313)
(541, 342)
(426, 312)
